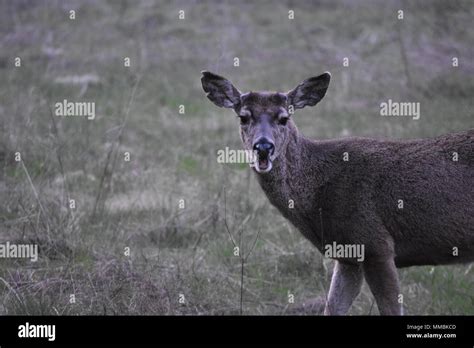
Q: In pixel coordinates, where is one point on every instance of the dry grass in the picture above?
(135, 204)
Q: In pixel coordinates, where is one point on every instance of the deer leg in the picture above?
(345, 286)
(382, 277)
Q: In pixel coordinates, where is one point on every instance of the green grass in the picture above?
(188, 251)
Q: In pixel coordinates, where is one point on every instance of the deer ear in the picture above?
(220, 90)
(309, 92)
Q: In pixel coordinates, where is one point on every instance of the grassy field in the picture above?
(134, 206)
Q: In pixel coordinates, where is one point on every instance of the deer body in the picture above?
(356, 202)
(407, 202)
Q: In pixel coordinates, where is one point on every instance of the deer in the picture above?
(408, 202)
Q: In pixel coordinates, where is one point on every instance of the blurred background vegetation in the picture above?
(134, 204)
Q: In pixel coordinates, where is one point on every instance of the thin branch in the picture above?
(225, 220)
(253, 246)
(45, 220)
(243, 257)
(242, 264)
(403, 54)
(112, 149)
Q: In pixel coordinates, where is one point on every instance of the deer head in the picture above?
(265, 117)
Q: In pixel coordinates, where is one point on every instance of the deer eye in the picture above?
(283, 117)
(244, 120)
(245, 115)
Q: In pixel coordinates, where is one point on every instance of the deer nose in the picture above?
(264, 147)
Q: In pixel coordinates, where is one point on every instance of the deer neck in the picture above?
(297, 174)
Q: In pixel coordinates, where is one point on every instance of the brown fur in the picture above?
(356, 201)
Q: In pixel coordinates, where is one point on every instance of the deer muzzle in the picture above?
(264, 149)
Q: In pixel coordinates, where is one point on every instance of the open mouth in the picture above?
(263, 151)
(263, 164)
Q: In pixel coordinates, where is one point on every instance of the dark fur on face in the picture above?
(265, 116)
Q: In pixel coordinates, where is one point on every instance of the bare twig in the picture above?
(43, 212)
(253, 245)
(107, 174)
(58, 155)
(403, 53)
(242, 256)
(225, 220)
